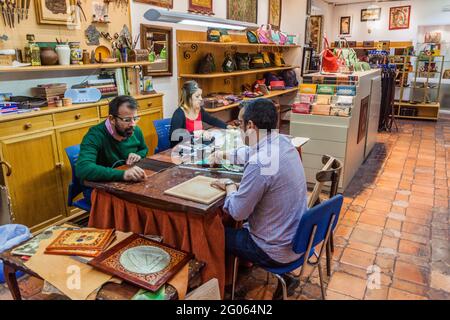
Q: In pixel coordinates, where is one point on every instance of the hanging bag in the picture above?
(264, 34)
(242, 61)
(252, 36)
(207, 64)
(329, 60)
(229, 64)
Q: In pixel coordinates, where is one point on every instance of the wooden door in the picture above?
(66, 137)
(146, 125)
(35, 183)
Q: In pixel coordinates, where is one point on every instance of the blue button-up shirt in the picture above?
(272, 196)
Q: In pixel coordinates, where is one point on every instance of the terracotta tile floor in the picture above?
(395, 221)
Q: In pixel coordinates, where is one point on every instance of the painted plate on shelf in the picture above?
(102, 52)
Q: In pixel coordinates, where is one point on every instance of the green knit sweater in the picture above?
(99, 152)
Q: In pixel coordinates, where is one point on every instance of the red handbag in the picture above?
(329, 60)
(277, 85)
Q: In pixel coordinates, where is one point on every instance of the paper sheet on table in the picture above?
(75, 279)
(207, 291)
(180, 281)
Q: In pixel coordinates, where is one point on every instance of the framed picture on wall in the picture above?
(345, 26)
(307, 59)
(399, 17)
(160, 3)
(201, 6)
(315, 29)
(308, 7)
(370, 14)
(275, 13)
(158, 40)
(242, 10)
(59, 12)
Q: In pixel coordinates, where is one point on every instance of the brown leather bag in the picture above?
(207, 64)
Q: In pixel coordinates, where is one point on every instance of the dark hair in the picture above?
(117, 102)
(262, 113)
(188, 89)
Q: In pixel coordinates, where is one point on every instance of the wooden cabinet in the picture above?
(66, 137)
(146, 125)
(34, 146)
(35, 184)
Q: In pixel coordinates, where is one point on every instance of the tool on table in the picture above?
(218, 170)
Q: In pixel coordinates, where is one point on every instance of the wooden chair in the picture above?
(331, 172)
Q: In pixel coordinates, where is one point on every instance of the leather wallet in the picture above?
(320, 109)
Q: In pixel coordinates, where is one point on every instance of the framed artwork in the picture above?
(160, 3)
(308, 7)
(157, 39)
(242, 10)
(399, 17)
(315, 30)
(201, 6)
(307, 59)
(345, 26)
(142, 262)
(363, 113)
(371, 14)
(59, 12)
(275, 13)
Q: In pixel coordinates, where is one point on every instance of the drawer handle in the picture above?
(8, 168)
(149, 104)
(78, 116)
(27, 126)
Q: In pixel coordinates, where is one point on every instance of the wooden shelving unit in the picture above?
(428, 108)
(234, 74)
(192, 47)
(74, 67)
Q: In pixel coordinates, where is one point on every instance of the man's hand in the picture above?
(133, 158)
(224, 184)
(134, 174)
(216, 158)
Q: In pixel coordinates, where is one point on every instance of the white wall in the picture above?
(319, 7)
(423, 12)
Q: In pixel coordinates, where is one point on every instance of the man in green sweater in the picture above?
(112, 143)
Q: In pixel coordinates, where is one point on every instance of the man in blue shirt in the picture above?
(272, 196)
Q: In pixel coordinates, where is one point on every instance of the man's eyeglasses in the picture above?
(128, 120)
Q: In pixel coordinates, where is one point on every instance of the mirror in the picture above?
(158, 40)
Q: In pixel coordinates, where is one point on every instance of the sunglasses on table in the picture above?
(128, 119)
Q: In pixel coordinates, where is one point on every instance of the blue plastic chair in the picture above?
(75, 187)
(162, 128)
(316, 226)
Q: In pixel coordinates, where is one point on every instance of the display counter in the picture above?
(349, 137)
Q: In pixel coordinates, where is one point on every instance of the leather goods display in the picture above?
(277, 59)
(217, 100)
(302, 108)
(326, 89)
(85, 95)
(308, 88)
(266, 58)
(323, 99)
(275, 35)
(269, 77)
(242, 61)
(284, 39)
(252, 36)
(346, 90)
(206, 64)
(229, 64)
(340, 111)
(307, 98)
(264, 34)
(361, 66)
(329, 60)
(346, 54)
(218, 35)
(277, 85)
(320, 109)
(256, 61)
(290, 78)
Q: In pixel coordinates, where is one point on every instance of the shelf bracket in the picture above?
(227, 81)
(187, 53)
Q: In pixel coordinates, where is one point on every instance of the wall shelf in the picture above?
(274, 93)
(74, 67)
(234, 74)
(236, 44)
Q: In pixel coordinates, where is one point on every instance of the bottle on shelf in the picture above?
(32, 51)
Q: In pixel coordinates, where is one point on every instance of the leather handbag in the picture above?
(275, 35)
(213, 35)
(229, 64)
(242, 61)
(266, 58)
(264, 34)
(302, 108)
(320, 109)
(284, 39)
(346, 54)
(252, 36)
(277, 85)
(206, 64)
(277, 59)
(256, 61)
(329, 60)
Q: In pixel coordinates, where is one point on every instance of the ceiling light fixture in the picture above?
(197, 20)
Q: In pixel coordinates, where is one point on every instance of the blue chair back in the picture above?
(75, 187)
(162, 128)
(319, 216)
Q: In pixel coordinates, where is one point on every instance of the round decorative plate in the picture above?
(102, 52)
(144, 259)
